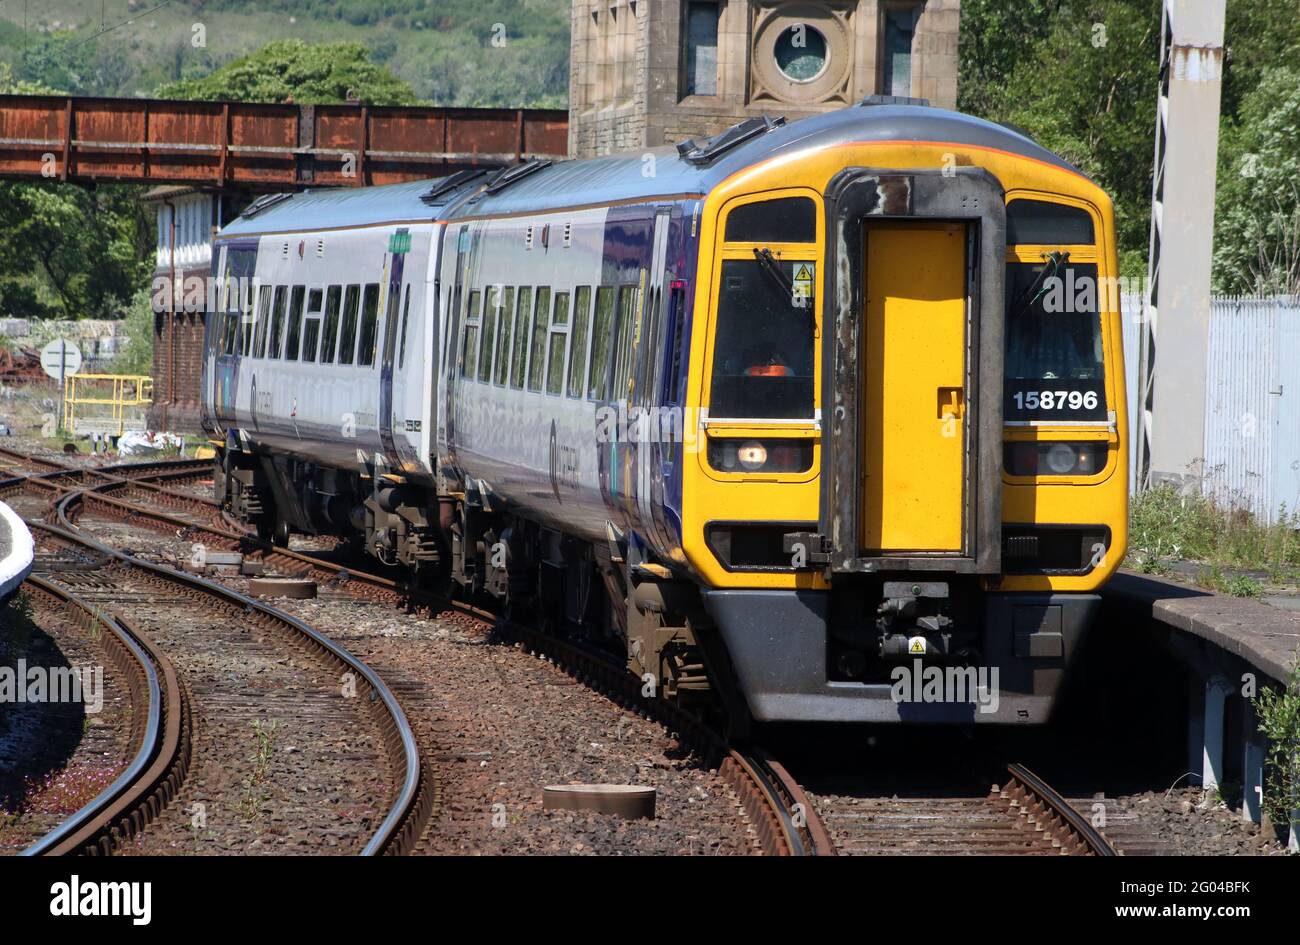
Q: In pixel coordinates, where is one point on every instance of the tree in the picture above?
(291, 70)
(1080, 78)
(67, 251)
(1257, 219)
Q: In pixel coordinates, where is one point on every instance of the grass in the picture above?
(1164, 524)
(1278, 708)
(256, 792)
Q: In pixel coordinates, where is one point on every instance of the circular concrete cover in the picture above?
(624, 800)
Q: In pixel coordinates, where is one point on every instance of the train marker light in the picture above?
(752, 455)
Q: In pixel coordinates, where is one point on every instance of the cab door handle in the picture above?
(951, 403)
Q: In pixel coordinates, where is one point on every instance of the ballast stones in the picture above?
(292, 588)
(623, 800)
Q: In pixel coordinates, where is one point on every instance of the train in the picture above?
(819, 420)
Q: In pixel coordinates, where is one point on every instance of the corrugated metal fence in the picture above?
(1252, 401)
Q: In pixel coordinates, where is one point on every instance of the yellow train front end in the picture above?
(910, 474)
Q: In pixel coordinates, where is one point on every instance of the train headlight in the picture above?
(752, 455)
(772, 455)
(1055, 458)
(1061, 459)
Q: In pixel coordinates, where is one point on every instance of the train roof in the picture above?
(629, 176)
(343, 207)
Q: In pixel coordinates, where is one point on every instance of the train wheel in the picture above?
(280, 534)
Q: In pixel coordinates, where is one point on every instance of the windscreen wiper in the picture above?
(767, 262)
(1037, 288)
(770, 266)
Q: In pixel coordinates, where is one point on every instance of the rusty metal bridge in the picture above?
(257, 147)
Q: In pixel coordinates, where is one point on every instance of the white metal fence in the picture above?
(1252, 401)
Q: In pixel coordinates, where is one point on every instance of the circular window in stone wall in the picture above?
(801, 52)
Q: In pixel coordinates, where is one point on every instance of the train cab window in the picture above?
(406, 314)
(559, 336)
(784, 220)
(348, 340)
(763, 351)
(311, 327)
(491, 304)
(1054, 365)
(505, 322)
(1039, 222)
(277, 321)
(293, 335)
(578, 349)
(470, 348)
(263, 318)
(598, 382)
(329, 339)
(369, 325)
(519, 356)
(537, 346)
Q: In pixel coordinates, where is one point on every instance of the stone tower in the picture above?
(649, 72)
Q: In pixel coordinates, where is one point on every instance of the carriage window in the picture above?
(559, 334)
(246, 323)
(676, 331)
(598, 383)
(263, 317)
(490, 305)
(406, 314)
(230, 342)
(348, 342)
(1054, 366)
(332, 298)
(1037, 222)
(294, 334)
(277, 321)
(311, 327)
(537, 353)
(519, 357)
(578, 350)
(369, 325)
(784, 220)
(470, 348)
(763, 352)
(624, 331)
(504, 322)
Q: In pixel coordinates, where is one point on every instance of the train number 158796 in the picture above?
(1056, 400)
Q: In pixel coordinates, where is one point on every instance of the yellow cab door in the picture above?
(913, 441)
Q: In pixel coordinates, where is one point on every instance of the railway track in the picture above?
(157, 727)
(104, 579)
(1024, 815)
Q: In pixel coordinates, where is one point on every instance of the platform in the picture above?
(16, 551)
(1265, 637)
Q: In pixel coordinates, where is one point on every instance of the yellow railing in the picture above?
(106, 403)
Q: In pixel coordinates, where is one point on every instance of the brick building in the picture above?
(644, 73)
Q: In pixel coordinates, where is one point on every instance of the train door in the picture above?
(228, 327)
(212, 330)
(451, 338)
(399, 244)
(914, 388)
(649, 449)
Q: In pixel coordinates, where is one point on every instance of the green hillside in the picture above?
(451, 52)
